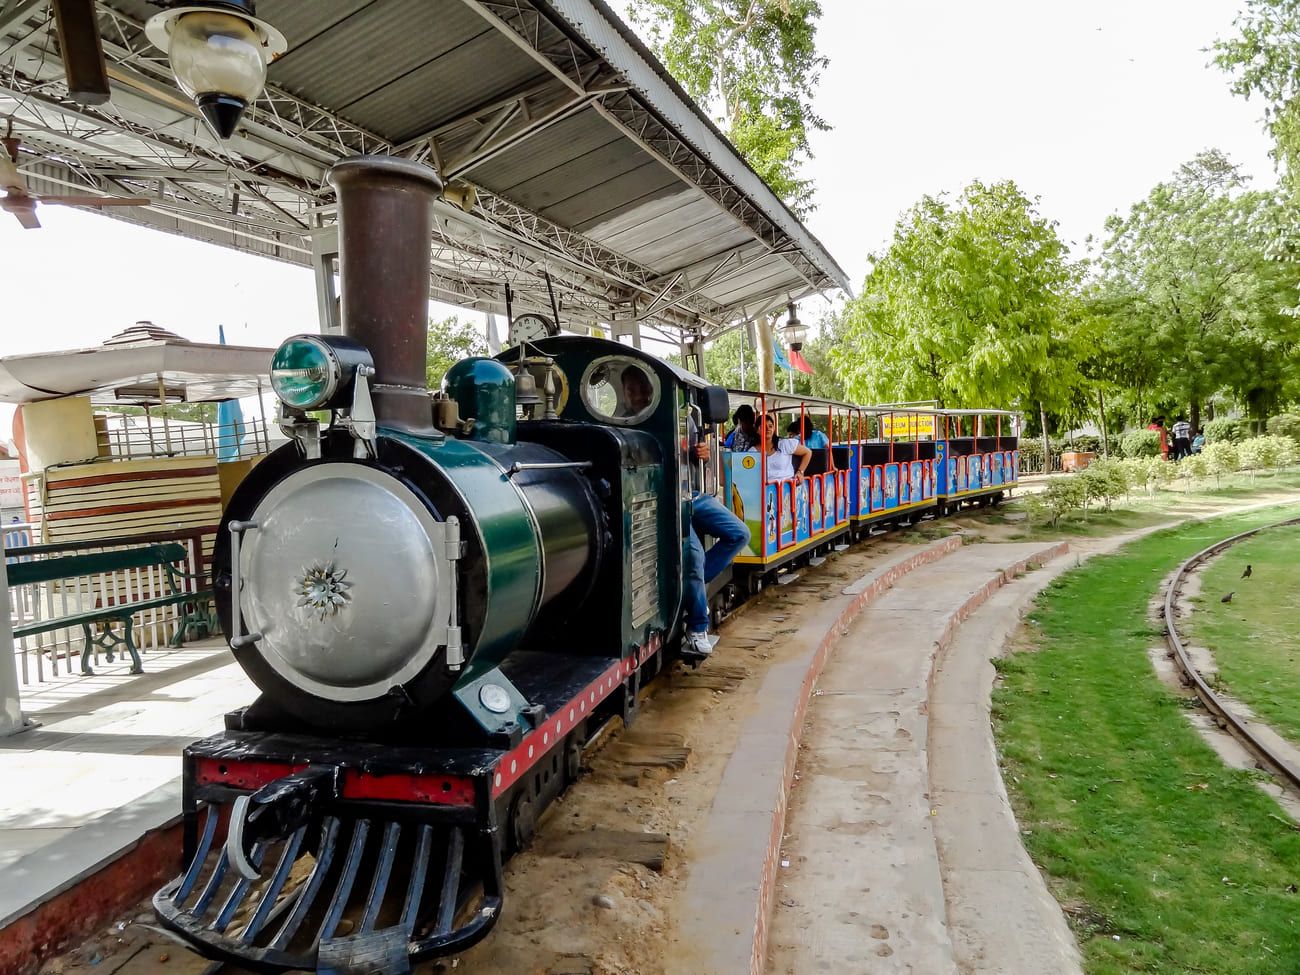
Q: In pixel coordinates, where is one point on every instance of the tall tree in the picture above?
(450, 340)
(968, 307)
(754, 65)
(1264, 60)
(1200, 292)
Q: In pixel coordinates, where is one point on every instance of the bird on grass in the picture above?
(1228, 598)
(1246, 574)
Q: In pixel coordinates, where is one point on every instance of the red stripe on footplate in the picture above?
(249, 776)
(439, 790)
(515, 763)
(241, 775)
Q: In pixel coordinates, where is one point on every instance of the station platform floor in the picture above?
(102, 766)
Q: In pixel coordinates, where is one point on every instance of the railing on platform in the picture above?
(20, 534)
(47, 656)
(130, 437)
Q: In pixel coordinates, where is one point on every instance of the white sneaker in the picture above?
(697, 645)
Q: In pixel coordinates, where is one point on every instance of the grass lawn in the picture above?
(1256, 637)
(1141, 511)
(1165, 860)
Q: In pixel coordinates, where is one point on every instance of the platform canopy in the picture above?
(588, 162)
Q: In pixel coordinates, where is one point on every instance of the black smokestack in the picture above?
(385, 236)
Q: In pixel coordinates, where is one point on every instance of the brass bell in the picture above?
(526, 393)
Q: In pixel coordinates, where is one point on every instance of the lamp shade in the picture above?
(218, 54)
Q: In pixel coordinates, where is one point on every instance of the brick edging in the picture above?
(85, 907)
(932, 553)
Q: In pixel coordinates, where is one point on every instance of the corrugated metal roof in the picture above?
(587, 155)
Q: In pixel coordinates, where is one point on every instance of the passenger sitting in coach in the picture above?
(782, 454)
(743, 436)
(815, 441)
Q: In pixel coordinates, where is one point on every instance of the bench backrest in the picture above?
(94, 563)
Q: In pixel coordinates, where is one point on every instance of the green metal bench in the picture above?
(195, 611)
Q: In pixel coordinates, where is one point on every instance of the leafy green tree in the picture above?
(754, 65)
(449, 340)
(1262, 59)
(1198, 296)
(969, 306)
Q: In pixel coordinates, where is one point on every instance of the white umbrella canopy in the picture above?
(143, 365)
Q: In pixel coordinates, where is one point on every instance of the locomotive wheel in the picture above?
(573, 758)
(523, 821)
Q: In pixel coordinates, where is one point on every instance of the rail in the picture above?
(20, 534)
(49, 656)
(1239, 727)
(129, 437)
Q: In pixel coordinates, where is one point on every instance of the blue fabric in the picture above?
(816, 440)
(709, 516)
(779, 357)
(230, 421)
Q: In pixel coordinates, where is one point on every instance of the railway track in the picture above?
(1240, 728)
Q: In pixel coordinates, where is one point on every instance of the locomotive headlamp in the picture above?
(218, 53)
(317, 372)
(795, 333)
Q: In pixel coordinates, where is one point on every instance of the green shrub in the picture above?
(1061, 496)
(1193, 467)
(1084, 443)
(1141, 443)
(1257, 453)
(1221, 458)
(1285, 425)
(1227, 430)
(1140, 472)
(1104, 481)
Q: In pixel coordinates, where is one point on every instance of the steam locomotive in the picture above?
(441, 597)
(437, 600)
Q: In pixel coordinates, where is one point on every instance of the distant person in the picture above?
(1198, 443)
(1182, 431)
(812, 438)
(781, 453)
(744, 435)
(1158, 425)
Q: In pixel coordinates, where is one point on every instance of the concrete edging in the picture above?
(768, 751)
(770, 755)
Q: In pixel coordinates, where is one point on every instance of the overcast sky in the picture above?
(1086, 105)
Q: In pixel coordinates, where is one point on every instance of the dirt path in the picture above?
(575, 904)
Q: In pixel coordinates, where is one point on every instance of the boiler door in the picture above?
(347, 580)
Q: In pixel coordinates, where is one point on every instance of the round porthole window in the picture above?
(620, 390)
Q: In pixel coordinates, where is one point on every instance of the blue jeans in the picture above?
(709, 516)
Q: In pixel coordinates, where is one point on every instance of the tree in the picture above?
(1200, 297)
(450, 340)
(1262, 59)
(968, 307)
(754, 65)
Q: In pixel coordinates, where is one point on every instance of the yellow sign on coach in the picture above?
(907, 425)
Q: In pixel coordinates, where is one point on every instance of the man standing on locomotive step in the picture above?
(711, 517)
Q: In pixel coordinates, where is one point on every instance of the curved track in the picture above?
(1240, 727)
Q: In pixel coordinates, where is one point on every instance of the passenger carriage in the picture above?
(978, 457)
